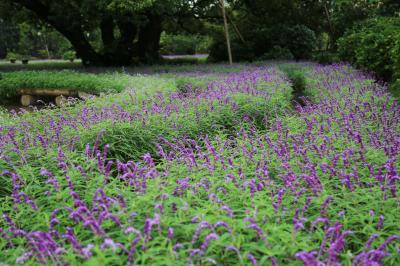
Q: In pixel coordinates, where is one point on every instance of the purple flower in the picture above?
(222, 224)
(86, 251)
(170, 233)
(207, 241)
(309, 258)
(252, 259)
(379, 226)
(23, 258)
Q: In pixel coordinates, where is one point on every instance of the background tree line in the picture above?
(123, 32)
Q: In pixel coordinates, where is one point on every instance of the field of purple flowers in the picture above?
(227, 173)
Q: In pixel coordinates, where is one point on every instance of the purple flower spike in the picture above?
(170, 233)
(309, 258)
(207, 241)
(252, 259)
(379, 226)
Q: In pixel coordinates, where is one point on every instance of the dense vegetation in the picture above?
(213, 170)
(180, 44)
(111, 32)
(374, 45)
(176, 159)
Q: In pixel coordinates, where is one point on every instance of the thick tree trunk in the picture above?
(107, 33)
(72, 31)
(149, 39)
(83, 48)
(115, 52)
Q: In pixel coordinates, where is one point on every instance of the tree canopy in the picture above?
(126, 29)
(121, 32)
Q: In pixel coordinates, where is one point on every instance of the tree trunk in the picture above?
(83, 48)
(107, 33)
(226, 29)
(115, 52)
(149, 39)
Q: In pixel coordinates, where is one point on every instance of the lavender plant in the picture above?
(313, 185)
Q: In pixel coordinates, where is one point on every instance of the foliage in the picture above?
(34, 40)
(374, 45)
(12, 56)
(130, 140)
(300, 40)
(183, 44)
(8, 37)
(240, 51)
(395, 88)
(69, 55)
(278, 53)
(108, 32)
(124, 32)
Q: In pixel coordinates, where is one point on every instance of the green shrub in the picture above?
(69, 55)
(263, 43)
(395, 88)
(12, 56)
(278, 53)
(300, 40)
(240, 51)
(395, 55)
(183, 44)
(374, 45)
(43, 54)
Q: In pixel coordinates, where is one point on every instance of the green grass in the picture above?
(10, 82)
(130, 140)
(6, 66)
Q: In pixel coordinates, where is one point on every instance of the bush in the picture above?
(69, 55)
(300, 40)
(278, 53)
(12, 56)
(240, 51)
(43, 54)
(374, 45)
(183, 44)
(279, 42)
(395, 88)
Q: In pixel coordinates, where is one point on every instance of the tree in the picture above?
(342, 15)
(264, 25)
(126, 29)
